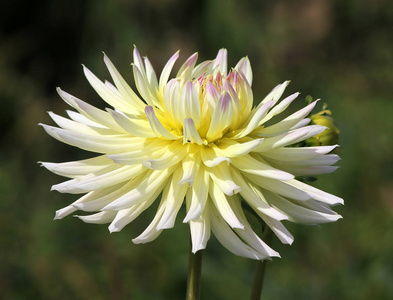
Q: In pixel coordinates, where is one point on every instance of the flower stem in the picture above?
(260, 269)
(194, 275)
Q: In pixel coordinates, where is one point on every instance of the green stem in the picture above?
(194, 275)
(260, 269)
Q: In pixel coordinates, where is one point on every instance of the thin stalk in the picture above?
(194, 275)
(260, 269)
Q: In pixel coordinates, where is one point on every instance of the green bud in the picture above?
(327, 137)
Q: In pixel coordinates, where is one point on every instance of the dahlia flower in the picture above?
(195, 139)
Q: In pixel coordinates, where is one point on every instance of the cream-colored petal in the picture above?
(143, 87)
(200, 230)
(231, 148)
(101, 179)
(145, 186)
(221, 62)
(212, 156)
(77, 117)
(151, 76)
(151, 232)
(275, 94)
(290, 121)
(298, 153)
(191, 164)
(76, 169)
(174, 153)
(221, 119)
(255, 198)
(135, 127)
(138, 61)
(229, 239)
(102, 217)
(253, 122)
(300, 214)
(202, 68)
(279, 108)
(190, 106)
(99, 144)
(309, 170)
(221, 203)
(222, 179)
(316, 194)
(78, 127)
(173, 197)
(244, 66)
(156, 125)
(190, 133)
(107, 94)
(280, 187)
(123, 87)
(249, 236)
(186, 69)
(97, 199)
(278, 229)
(166, 71)
(90, 112)
(63, 212)
(249, 164)
(197, 196)
(289, 138)
(126, 216)
(152, 148)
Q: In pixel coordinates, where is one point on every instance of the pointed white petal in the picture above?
(221, 203)
(156, 125)
(300, 214)
(99, 218)
(290, 121)
(144, 187)
(173, 196)
(124, 89)
(255, 198)
(107, 94)
(78, 168)
(231, 148)
(221, 61)
(316, 193)
(249, 164)
(298, 153)
(280, 187)
(190, 133)
(63, 212)
(228, 238)
(166, 71)
(174, 153)
(151, 232)
(197, 196)
(244, 66)
(136, 127)
(221, 118)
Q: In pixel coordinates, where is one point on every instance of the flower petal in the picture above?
(197, 196)
(173, 196)
(229, 239)
(166, 71)
(249, 164)
(76, 169)
(156, 125)
(221, 203)
(124, 89)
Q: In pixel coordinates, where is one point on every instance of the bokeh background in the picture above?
(339, 50)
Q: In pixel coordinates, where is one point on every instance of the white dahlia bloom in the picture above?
(196, 139)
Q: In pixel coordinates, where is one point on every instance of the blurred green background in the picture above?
(340, 51)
